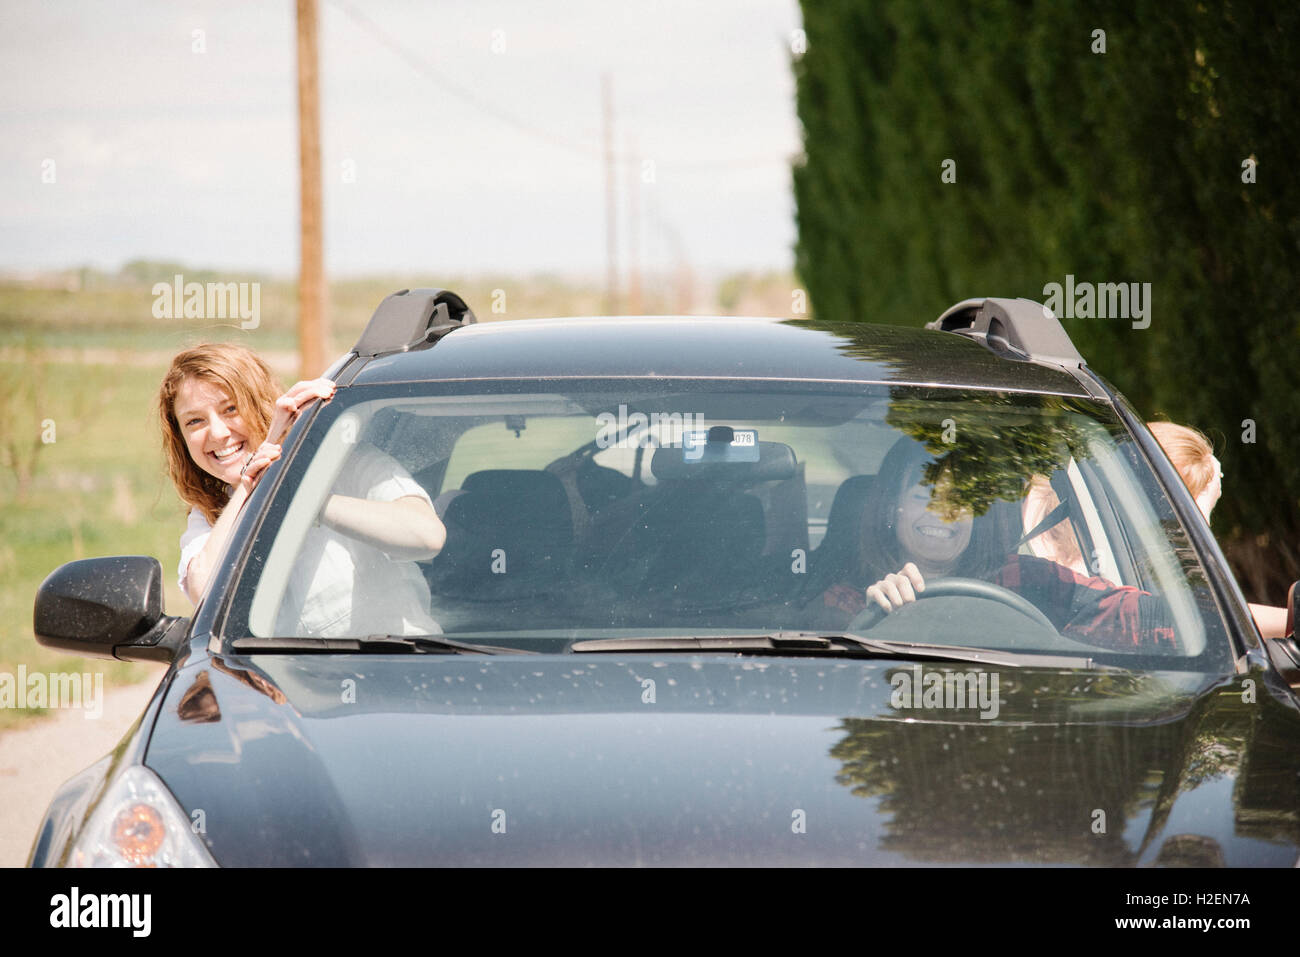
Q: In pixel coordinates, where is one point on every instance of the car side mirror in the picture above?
(108, 608)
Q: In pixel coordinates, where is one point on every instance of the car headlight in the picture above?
(139, 824)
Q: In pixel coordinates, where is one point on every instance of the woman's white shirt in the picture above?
(197, 530)
(339, 585)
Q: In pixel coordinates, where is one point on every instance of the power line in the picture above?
(590, 149)
(423, 67)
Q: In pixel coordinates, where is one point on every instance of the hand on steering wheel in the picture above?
(890, 594)
(896, 590)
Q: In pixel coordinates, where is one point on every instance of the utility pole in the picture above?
(611, 201)
(313, 331)
(635, 180)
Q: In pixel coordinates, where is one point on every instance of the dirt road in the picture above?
(37, 758)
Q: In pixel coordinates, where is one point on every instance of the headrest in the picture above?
(508, 492)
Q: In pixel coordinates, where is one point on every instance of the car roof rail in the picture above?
(410, 318)
(1008, 326)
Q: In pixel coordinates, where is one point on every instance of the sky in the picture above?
(457, 135)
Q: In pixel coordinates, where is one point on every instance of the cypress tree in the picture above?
(1117, 166)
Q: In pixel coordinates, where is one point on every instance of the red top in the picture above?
(1091, 610)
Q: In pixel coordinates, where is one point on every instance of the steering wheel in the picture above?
(870, 616)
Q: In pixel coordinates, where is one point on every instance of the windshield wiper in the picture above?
(373, 644)
(849, 645)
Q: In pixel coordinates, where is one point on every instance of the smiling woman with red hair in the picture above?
(221, 423)
(229, 371)
(222, 415)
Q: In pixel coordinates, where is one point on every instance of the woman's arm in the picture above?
(406, 529)
(202, 564)
(1270, 620)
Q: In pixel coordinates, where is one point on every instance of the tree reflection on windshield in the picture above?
(986, 447)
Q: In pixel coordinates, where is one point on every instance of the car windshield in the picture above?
(578, 510)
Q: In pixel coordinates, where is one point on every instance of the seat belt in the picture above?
(1068, 507)
(1054, 518)
(1082, 534)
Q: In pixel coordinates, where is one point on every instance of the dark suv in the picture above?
(658, 630)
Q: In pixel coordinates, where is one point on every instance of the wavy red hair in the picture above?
(248, 380)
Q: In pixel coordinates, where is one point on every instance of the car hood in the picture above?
(712, 760)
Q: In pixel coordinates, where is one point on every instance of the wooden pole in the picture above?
(611, 202)
(313, 330)
(634, 180)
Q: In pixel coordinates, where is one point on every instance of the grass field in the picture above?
(96, 489)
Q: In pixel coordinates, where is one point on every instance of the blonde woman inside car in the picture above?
(1193, 456)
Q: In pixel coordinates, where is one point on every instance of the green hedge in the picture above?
(1122, 166)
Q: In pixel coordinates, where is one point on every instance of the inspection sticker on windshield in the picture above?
(720, 444)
